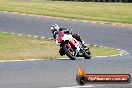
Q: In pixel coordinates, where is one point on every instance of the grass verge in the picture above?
(110, 12)
(16, 47)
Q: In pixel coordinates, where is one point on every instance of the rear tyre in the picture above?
(67, 52)
(86, 55)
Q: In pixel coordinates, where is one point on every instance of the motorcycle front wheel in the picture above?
(69, 52)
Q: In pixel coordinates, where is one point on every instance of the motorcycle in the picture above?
(71, 47)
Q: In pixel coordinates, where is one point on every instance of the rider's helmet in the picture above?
(54, 28)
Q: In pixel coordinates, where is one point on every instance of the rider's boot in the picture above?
(83, 44)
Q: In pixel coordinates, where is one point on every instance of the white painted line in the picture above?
(23, 13)
(63, 59)
(98, 56)
(88, 86)
(74, 20)
(102, 56)
(42, 37)
(85, 21)
(113, 55)
(22, 60)
(4, 32)
(117, 49)
(106, 47)
(100, 46)
(101, 23)
(12, 33)
(2, 61)
(65, 19)
(29, 35)
(122, 25)
(94, 22)
(56, 18)
(94, 45)
(19, 34)
(35, 36)
(121, 52)
(114, 24)
(34, 59)
(88, 44)
(30, 15)
(50, 38)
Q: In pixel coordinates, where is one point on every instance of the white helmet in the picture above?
(54, 28)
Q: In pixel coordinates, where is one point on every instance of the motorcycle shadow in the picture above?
(70, 59)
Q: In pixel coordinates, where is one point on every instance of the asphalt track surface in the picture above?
(62, 73)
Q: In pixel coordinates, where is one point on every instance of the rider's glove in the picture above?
(54, 34)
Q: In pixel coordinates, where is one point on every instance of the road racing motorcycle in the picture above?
(71, 47)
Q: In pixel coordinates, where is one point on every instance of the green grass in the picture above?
(15, 47)
(102, 51)
(111, 12)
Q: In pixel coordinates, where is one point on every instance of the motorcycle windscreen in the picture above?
(60, 35)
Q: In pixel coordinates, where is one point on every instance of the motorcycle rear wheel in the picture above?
(86, 55)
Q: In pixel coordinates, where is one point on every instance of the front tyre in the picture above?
(69, 52)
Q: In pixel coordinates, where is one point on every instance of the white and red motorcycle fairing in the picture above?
(71, 47)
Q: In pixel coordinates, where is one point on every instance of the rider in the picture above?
(55, 29)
